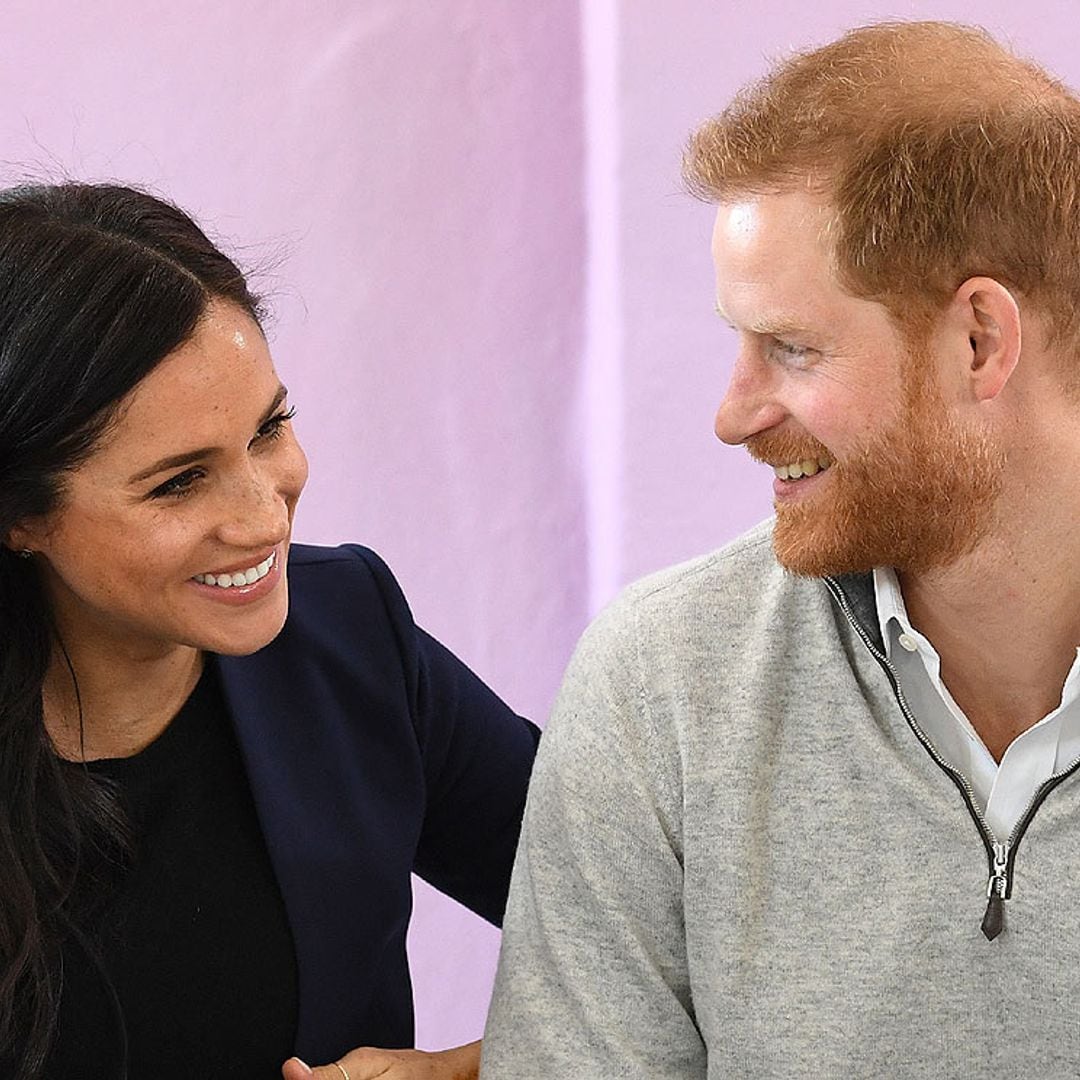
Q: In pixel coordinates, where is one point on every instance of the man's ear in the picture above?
(987, 313)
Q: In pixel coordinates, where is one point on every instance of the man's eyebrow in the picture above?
(175, 461)
(774, 326)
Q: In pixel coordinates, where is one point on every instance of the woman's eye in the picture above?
(275, 426)
(184, 483)
(180, 484)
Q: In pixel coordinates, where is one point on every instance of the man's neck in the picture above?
(1005, 621)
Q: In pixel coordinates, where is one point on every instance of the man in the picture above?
(808, 806)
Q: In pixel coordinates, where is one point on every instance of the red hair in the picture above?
(943, 156)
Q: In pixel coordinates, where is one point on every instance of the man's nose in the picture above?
(750, 404)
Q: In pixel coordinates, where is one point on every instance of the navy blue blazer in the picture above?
(372, 752)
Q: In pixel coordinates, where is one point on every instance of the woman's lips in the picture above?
(265, 580)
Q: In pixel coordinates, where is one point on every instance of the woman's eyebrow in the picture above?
(186, 457)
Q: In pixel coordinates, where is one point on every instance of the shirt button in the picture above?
(908, 642)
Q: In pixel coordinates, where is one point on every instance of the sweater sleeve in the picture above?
(476, 756)
(593, 977)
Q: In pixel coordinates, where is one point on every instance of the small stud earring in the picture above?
(25, 553)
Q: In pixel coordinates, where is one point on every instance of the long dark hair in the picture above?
(98, 283)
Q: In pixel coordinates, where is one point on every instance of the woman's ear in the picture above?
(27, 536)
(987, 313)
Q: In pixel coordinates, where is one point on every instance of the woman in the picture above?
(220, 757)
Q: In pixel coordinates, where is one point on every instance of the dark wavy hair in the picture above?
(98, 283)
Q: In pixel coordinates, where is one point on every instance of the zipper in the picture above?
(997, 892)
(1001, 872)
(1001, 857)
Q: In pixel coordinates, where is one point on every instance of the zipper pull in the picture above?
(997, 890)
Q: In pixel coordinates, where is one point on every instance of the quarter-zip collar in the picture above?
(854, 595)
(858, 589)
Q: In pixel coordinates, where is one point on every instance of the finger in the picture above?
(354, 1071)
(366, 1063)
(295, 1069)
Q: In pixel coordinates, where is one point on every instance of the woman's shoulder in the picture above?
(315, 555)
(344, 590)
(348, 628)
(341, 570)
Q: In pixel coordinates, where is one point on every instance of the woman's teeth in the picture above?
(238, 577)
(797, 470)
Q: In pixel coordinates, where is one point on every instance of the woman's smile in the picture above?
(237, 575)
(241, 585)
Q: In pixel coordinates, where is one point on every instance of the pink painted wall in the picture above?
(494, 304)
(414, 173)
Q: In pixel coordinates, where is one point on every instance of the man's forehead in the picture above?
(800, 215)
(737, 222)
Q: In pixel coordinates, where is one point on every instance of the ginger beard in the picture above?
(917, 497)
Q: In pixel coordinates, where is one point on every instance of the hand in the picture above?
(367, 1063)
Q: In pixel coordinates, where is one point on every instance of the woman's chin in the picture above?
(241, 632)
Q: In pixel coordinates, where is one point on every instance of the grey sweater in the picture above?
(739, 860)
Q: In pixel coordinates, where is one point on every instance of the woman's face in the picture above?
(193, 486)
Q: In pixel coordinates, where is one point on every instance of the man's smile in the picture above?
(796, 470)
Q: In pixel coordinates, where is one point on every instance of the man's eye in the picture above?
(275, 426)
(788, 352)
(180, 484)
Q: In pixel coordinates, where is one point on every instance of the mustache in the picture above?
(781, 448)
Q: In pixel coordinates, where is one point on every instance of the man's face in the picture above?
(874, 467)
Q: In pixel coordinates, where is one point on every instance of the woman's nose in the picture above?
(258, 513)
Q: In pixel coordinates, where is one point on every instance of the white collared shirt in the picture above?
(1002, 791)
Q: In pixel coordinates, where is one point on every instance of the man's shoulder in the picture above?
(735, 603)
(745, 561)
(732, 584)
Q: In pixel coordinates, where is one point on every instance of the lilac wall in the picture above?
(493, 302)
(415, 172)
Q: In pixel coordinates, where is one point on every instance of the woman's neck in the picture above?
(106, 705)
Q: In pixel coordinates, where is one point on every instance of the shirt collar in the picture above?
(890, 604)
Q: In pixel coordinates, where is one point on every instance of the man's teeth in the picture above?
(797, 470)
(238, 577)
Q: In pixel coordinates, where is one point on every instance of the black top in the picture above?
(371, 752)
(194, 939)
